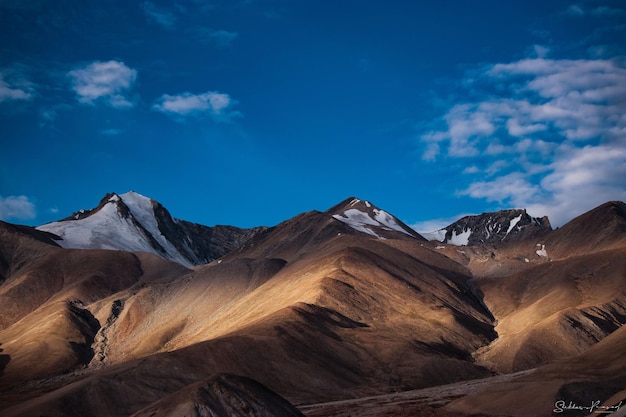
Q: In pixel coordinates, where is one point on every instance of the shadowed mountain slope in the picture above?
(554, 310)
(21, 245)
(597, 230)
(596, 375)
(222, 395)
(565, 316)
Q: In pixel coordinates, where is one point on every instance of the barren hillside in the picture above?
(327, 306)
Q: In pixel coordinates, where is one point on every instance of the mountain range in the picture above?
(125, 310)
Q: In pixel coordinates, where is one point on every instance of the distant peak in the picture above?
(134, 222)
(492, 227)
(365, 217)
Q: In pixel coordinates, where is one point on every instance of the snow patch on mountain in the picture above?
(462, 239)
(514, 224)
(366, 218)
(438, 235)
(358, 220)
(388, 220)
(142, 210)
(542, 252)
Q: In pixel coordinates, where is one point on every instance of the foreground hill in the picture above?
(565, 317)
(332, 305)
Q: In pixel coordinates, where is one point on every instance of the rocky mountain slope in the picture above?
(222, 395)
(492, 228)
(132, 222)
(341, 304)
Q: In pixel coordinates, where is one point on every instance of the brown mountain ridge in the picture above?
(343, 304)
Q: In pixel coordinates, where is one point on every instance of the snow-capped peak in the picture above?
(504, 225)
(122, 222)
(364, 217)
(142, 210)
(133, 222)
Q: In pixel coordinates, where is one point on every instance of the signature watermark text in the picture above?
(595, 407)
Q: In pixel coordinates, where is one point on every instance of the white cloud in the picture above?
(16, 207)
(109, 82)
(553, 139)
(218, 105)
(158, 15)
(514, 187)
(14, 90)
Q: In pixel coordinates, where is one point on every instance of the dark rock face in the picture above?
(122, 209)
(492, 228)
(225, 395)
(200, 244)
(239, 396)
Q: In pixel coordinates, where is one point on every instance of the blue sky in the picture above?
(250, 112)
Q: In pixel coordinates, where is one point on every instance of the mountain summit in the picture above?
(363, 216)
(496, 227)
(133, 222)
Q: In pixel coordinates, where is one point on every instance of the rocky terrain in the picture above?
(335, 313)
(493, 228)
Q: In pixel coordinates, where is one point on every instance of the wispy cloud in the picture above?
(574, 10)
(159, 15)
(223, 38)
(220, 38)
(608, 11)
(14, 89)
(16, 207)
(217, 105)
(108, 82)
(553, 140)
(111, 132)
(49, 114)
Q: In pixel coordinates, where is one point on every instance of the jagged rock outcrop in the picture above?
(223, 395)
(492, 228)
